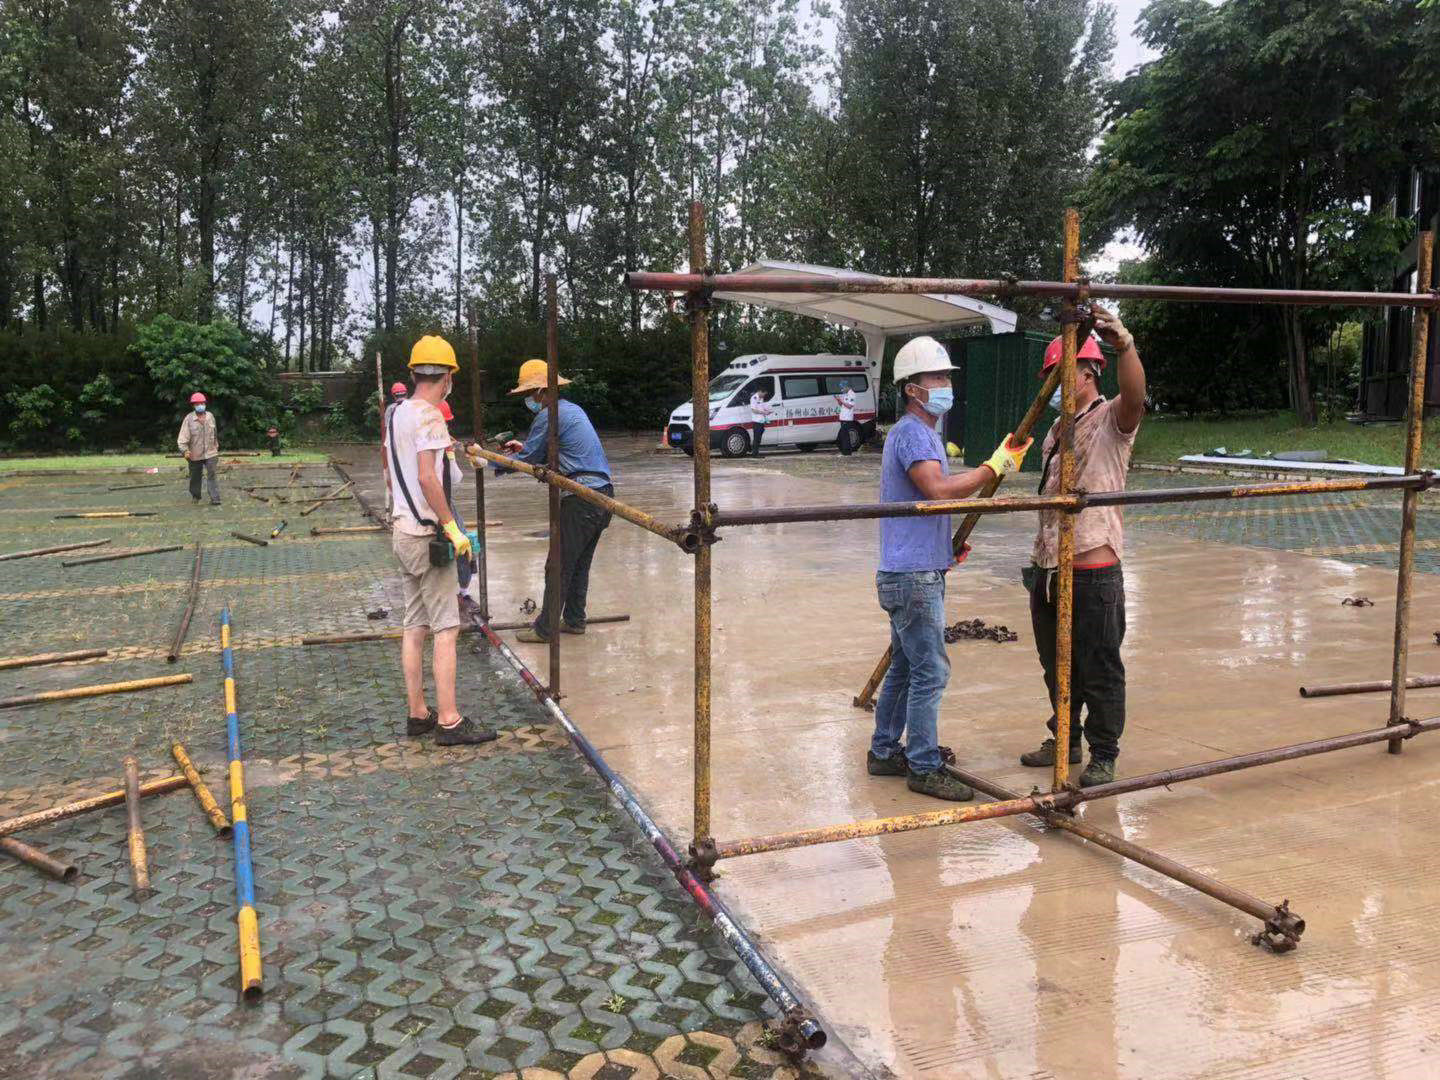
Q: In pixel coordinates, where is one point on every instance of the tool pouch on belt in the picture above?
(442, 553)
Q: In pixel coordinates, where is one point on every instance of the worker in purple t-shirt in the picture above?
(915, 554)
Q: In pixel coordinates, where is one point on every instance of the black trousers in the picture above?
(1097, 674)
(846, 442)
(581, 524)
(204, 468)
(756, 434)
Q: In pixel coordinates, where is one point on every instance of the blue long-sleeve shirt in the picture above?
(581, 457)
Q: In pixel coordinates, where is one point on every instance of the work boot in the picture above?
(1044, 757)
(466, 733)
(940, 785)
(531, 636)
(421, 725)
(1099, 771)
(894, 765)
(572, 628)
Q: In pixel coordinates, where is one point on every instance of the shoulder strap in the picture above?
(399, 475)
(1050, 457)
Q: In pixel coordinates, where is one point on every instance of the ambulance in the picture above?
(801, 391)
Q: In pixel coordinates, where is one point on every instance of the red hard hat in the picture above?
(399, 390)
(1089, 350)
(447, 412)
(197, 398)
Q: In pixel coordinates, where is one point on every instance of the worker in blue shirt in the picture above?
(582, 459)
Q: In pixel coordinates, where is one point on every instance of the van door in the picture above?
(737, 412)
(836, 385)
(810, 416)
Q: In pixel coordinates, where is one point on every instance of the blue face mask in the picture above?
(200, 409)
(533, 405)
(940, 401)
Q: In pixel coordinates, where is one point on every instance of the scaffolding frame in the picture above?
(1281, 928)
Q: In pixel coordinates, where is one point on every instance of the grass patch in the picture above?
(104, 462)
(1166, 438)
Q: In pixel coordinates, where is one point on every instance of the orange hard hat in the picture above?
(1089, 350)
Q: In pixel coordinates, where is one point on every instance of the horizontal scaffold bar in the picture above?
(644, 281)
(1069, 503)
(1070, 797)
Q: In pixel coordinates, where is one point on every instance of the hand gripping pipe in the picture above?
(800, 1031)
(246, 922)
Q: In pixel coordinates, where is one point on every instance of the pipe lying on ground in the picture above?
(369, 511)
(334, 493)
(213, 813)
(95, 691)
(317, 531)
(247, 924)
(106, 514)
(135, 834)
(32, 552)
(48, 864)
(278, 529)
(121, 555)
(37, 818)
(1282, 927)
(1061, 800)
(52, 658)
(676, 534)
(800, 1031)
(1414, 682)
(257, 541)
(179, 640)
(135, 487)
(390, 635)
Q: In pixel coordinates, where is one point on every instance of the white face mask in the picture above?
(1055, 399)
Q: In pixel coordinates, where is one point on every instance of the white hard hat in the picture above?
(919, 355)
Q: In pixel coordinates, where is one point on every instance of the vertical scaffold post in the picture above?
(1065, 570)
(698, 304)
(477, 411)
(1413, 443)
(553, 576)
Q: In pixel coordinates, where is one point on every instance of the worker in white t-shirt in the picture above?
(760, 410)
(846, 400)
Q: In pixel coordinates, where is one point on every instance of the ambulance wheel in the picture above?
(735, 444)
(689, 451)
(807, 447)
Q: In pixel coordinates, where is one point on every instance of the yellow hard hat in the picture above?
(535, 375)
(433, 351)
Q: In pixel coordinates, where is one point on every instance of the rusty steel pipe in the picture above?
(648, 281)
(477, 410)
(83, 806)
(340, 530)
(1414, 682)
(703, 516)
(680, 535)
(121, 555)
(179, 640)
(106, 514)
(388, 635)
(256, 540)
(1414, 438)
(32, 552)
(1409, 482)
(95, 691)
(1282, 928)
(864, 511)
(135, 834)
(1065, 568)
(327, 497)
(47, 864)
(555, 563)
(1061, 800)
(374, 515)
(207, 802)
(52, 658)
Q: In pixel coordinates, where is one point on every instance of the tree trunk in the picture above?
(375, 266)
(459, 246)
(1300, 397)
(41, 315)
(289, 301)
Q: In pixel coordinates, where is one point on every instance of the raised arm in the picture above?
(1129, 371)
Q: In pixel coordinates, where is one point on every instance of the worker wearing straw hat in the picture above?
(582, 459)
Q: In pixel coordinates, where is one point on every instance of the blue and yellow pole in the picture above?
(251, 986)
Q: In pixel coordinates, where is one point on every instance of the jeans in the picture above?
(581, 524)
(756, 434)
(1097, 674)
(208, 468)
(909, 702)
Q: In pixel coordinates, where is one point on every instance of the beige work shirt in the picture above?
(1102, 459)
(199, 438)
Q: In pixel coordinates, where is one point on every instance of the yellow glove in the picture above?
(1007, 458)
(458, 539)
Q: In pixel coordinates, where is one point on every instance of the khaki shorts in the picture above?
(430, 591)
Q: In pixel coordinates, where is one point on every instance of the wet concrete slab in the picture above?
(999, 948)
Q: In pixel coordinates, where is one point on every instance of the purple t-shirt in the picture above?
(912, 543)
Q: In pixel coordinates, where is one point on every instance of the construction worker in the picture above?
(915, 554)
(464, 567)
(760, 410)
(846, 401)
(581, 458)
(1104, 437)
(421, 484)
(398, 393)
(200, 443)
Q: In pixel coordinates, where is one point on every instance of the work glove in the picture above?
(1007, 458)
(458, 540)
(1111, 330)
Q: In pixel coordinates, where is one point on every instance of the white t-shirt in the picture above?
(760, 409)
(847, 405)
(418, 427)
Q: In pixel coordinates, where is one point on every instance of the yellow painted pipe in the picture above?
(95, 691)
(139, 860)
(202, 793)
